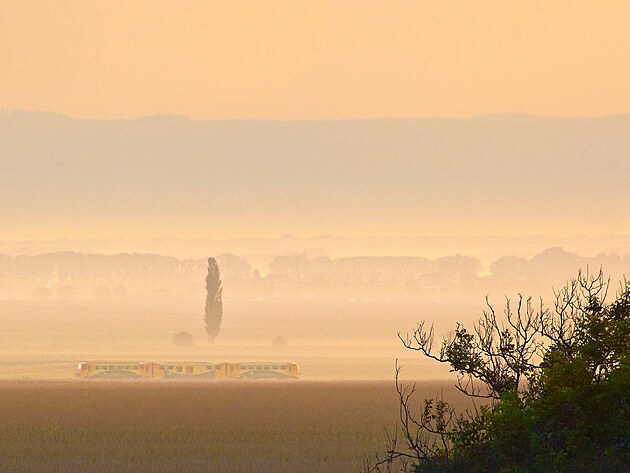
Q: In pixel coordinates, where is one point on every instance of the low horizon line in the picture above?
(7, 112)
(314, 237)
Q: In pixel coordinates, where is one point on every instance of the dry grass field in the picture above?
(221, 426)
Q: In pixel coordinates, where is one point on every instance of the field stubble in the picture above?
(221, 426)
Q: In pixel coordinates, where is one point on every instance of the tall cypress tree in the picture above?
(214, 300)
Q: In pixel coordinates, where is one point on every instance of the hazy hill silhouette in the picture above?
(510, 174)
(502, 165)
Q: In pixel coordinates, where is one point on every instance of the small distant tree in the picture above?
(66, 291)
(42, 293)
(119, 291)
(102, 292)
(214, 300)
(279, 342)
(183, 339)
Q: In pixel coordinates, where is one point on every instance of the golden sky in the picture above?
(315, 59)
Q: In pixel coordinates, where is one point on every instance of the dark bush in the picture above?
(183, 339)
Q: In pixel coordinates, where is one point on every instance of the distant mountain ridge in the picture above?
(39, 114)
(501, 167)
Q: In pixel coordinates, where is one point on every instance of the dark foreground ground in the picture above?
(221, 426)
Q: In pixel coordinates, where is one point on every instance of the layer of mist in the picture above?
(338, 317)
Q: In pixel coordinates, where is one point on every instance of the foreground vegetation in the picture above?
(556, 385)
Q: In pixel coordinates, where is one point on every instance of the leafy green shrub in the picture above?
(557, 384)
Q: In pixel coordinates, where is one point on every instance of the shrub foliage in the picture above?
(551, 388)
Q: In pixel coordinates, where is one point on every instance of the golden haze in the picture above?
(314, 59)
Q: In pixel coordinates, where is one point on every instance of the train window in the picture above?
(243, 367)
(250, 367)
(170, 367)
(267, 367)
(276, 367)
(209, 367)
(134, 367)
(259, 367)
(285, 367)
(178, 369)
(127, 367)
(112, 368)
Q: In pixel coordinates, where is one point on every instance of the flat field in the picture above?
(220, 426)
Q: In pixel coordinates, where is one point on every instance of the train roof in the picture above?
(172, 362)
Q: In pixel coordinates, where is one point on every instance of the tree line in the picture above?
(65, 274)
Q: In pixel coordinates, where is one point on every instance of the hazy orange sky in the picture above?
(315, 59)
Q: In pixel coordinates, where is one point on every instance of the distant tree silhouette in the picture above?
(183, 339)
(42, 293)
(214, 300)
(279, 342)
(119, 291)
(66, 291)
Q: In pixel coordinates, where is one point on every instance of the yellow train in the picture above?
(188, 370)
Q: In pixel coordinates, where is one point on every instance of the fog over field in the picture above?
(108, 225)
(339, 317)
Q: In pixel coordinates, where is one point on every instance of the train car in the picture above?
(111, 369)
(258, 370)
(178, 369)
